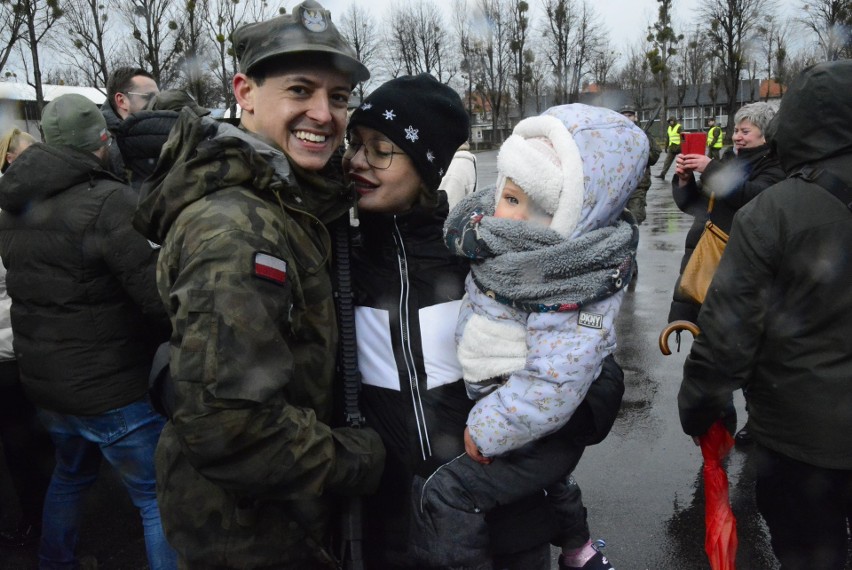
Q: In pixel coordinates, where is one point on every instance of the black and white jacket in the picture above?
(408, 291)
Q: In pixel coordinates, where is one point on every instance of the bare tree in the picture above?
(359, 28)
(192, 63)
(772, 36)
(602, 65)
(496, 59)
(155, 31)
(417, 41)
(87, 24)
(261, 10)
(635, 76)
(781, 58)
(11, 22)
(538, 81)
(663, 40)
(692, 61)
(831, 21)
(561, 20)
(732, 23)
(39, 16)
(518, 29)
(469, 63)
(586, 46)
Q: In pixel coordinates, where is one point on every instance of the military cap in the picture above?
(627, 110)
(307, 30)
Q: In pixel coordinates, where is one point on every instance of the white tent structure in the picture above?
(18, 103)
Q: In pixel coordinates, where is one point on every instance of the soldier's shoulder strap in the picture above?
(828, 181)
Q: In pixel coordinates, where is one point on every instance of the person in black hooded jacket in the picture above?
(141, 135)
(776, 320)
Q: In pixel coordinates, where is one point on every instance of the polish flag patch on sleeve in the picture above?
(270, 268)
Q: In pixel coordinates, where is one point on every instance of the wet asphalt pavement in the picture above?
(642, 485)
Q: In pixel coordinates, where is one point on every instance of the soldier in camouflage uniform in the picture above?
(637, 202)
(248, 466)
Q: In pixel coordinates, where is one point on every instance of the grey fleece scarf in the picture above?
(534, 268)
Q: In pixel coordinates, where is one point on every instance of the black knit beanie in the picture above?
(423, 117)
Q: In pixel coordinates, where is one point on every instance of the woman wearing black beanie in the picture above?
(408, 289)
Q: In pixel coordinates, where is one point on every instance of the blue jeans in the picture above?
(126, 437)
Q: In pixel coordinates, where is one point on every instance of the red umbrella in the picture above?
(720, 539)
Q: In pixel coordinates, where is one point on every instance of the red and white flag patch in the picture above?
(270, 268)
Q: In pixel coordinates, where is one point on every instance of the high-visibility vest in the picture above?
(674, 134)
(714, 137)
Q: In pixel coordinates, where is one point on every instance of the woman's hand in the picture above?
(473, 451)
(686, 164)
(693, 162)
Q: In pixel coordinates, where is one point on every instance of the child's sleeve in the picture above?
(565, 354)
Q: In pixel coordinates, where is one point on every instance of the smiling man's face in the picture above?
(302, 110)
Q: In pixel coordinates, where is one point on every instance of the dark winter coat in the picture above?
(116, 161)
(85, 305)
(734, 180)
(140, 138)
(776, 318)
(408, 289)
(141, 135)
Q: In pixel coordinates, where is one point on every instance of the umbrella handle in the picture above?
(676, 326)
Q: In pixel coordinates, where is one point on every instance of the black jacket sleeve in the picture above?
(130, 257)
(732, 324)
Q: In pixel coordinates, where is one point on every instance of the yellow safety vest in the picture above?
(714, 137)
(674, 134)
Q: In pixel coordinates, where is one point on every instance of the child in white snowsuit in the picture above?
(552, 253)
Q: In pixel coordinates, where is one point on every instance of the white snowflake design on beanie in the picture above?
(430, 156)
(366, 106)
(389, 115)
(411, 133)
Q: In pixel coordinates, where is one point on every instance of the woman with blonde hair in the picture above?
(12, 145)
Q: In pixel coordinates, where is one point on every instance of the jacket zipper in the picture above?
(408, 353)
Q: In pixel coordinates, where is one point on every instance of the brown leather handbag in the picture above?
(701, 266)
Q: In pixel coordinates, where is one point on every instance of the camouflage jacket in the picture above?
(246, 463)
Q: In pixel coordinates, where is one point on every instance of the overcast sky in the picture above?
(627, 20)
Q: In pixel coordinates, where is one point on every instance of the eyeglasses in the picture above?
(144, 96)
(377, 153)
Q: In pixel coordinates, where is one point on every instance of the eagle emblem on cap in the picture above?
(313, 20)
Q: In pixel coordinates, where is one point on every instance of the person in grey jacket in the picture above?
(776, 321)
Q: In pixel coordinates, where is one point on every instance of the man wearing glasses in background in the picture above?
(129, 90)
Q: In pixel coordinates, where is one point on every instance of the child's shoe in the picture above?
(596, 562)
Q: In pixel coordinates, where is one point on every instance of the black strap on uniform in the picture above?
(828, 182)
(352, 519)
(347, 345)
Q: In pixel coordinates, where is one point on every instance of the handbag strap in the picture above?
(828, 182)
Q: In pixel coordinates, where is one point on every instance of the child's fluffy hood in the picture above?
(602, 156)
